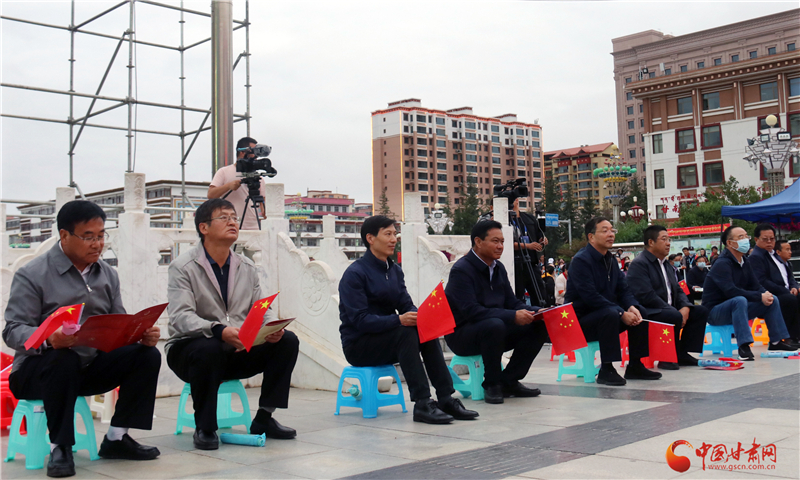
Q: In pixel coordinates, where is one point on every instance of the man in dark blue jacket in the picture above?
(490, 319)
(732, 294)
(605, 307)
(772, 275)
(696, 277)
(379, 326)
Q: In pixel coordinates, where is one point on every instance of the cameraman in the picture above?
(532, 240)
(228, 180)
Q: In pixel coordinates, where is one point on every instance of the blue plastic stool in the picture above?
(473, 386)
(584, 363)
(369, 399)
(720, 340)
(35, 445)
(227, 417)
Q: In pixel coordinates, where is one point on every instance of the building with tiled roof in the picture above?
(574, 166)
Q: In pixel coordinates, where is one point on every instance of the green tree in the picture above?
(588, 211)
(635, 189)
(552, 204)
(569, 211)
(468, 211)
(383, 205)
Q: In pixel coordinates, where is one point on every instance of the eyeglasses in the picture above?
(91, 240)
(613, 230)
(226, 218)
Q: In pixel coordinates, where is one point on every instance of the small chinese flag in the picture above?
(254, 321)
(564, 330)
(684, 286)
(64, 315)
(434, 317)
(662, 342)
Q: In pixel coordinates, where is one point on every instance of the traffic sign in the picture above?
(551, 220)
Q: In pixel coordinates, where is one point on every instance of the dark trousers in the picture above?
(401, 345)
(491, 337)
(790, 308)
(691, 338)
(605, 325)
(523, 282)
(56, 378)
(204, 363)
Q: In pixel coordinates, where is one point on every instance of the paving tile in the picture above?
(272, 450)
(243, 473)
(182, 464)
(333, 464)
(597, 467)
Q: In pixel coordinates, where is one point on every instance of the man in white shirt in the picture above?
(228, 180)
(772, 275)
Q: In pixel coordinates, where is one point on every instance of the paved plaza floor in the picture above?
(574, 430)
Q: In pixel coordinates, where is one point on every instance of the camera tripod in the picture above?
(525, 258)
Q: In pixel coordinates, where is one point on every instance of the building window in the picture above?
(422, 164)
(717, 61)
(629, 110)
(422, 187)
(536, 154)
(422, 141)
(496, 160)
(790, 47)
(643, 157)
(701, 64)
(421, 118)
(630, 124)
(794, 124)
(628, 96)
(628, 80)
(713, 173)
(684, 105)
(794, 87)
(439, 121)
(658, 144)
(631, 153)
(441, 166)
(687, 176)
(684, 140)
(658, 177)
(769, 91)
(710, 101)
(422, 152)
(772, 51)
(422, 129)
(712, 137)
(667, 71)
(754, 54)
(641, 122)
(405, 117)
(422, 176)
(631, 138)
(735, 58)
(684, 68)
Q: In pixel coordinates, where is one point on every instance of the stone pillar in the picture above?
(138, 262)
(500, 205)
(4, 253)
(274, 224)
(328, 226)
(63, 195)
(412, 228)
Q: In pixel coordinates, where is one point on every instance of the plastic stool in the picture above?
(762, 337)
(623, 345)
(36, 444)
(473, 386)
(570, 355)
(720, 340)
(369, 399)
(584, 366)
(104, 407)
(227, 417)
(7, 405)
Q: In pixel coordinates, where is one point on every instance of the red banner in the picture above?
(701, 230)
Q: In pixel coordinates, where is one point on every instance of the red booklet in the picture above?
(115, 330)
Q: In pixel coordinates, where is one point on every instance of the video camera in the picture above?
(254, 165)
(512, 190)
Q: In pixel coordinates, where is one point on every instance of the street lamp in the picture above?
(773, 149)
(615, 174)
(636, 213)
(438, 220)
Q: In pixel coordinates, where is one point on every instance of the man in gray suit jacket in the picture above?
(211, 290)
(656, 287)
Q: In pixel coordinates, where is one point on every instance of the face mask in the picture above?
(743, 245)
(677, 263)
(701, 264)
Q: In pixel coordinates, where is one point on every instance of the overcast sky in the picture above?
(318, 69)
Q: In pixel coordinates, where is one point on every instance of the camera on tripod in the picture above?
(253, 166)
(512, 190)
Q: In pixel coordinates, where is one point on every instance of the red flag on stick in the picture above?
(684, 286)
(662, 342)
(434, 317)
(70, 315)
(255, 319)
(564, 329)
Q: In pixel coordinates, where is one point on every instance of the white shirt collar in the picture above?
(491, 267)
(86, 270)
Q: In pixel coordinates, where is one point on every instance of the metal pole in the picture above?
(71, 152)
(130, 87)
(221, 84)
(183, 116)
(247, 60)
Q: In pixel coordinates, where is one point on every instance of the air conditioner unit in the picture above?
(661, 66)
(458, 151)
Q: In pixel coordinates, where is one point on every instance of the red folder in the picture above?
(255, 319)
(115, 330)
(68, 314)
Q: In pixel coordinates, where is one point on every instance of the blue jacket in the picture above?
(727, 279)
(371, 294)
(768, 274)
(595, 283)
(472, 297)
(696, 276)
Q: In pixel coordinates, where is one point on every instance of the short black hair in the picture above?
(482, 228)
(373, 225)
(761, 227)
(565, 267)
(699, 257)
(723, 240)
(714, 247)
(78, 211)
(672, 257)
(779, 245)
(684, 248)
(204, 212)
(651, 233)
(244, 142)
(550, 269)
(591, 225)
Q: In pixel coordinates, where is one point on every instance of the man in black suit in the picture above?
(771, 273)
(656, 288)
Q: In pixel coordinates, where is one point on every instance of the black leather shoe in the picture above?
(272, 429)
(455, 409)
(493, 394)
(782, 346)
(687, 361)
(127, 449)
(61, 463)
(206, 440)
(520, 390)
(610, 377)
(427, 411)
(668, 366)
(639, 372)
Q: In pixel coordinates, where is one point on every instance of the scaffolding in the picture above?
(77, 125)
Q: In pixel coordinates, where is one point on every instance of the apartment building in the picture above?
(652, 56)
(574, 166)
(437, 152)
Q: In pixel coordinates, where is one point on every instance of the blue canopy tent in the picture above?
(782, 208)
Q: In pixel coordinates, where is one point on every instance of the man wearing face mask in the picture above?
(696, 277)
(733, 294)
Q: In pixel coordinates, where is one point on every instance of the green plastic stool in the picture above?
(226, 416)
(584, 363)
(35, 445)
(473, 386)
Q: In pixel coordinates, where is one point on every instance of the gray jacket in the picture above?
(195, 300)
(51, 281)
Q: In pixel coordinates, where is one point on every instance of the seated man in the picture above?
(490, 319)
(605, 307)
(211, 290)
(696, 276)
(57, 373)
(732, 294)
(379, 326)
(771, 273)
(656, 289)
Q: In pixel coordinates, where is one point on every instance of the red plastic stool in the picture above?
(623, 344)
(570, 355)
